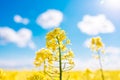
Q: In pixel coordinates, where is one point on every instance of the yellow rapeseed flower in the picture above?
(70, 54)
(42, 55)
(96, 43)
(56, 31)
(67, 41)
(71, 61)
(62, 35)
(53, 37)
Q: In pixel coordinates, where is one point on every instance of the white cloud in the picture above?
(87, 43)
(86, 64)
(112, 55)
(50, 19)
(113, 50)
(19, 19)
(22, 37)
(16, 64)
(13, 63)
(94, 25)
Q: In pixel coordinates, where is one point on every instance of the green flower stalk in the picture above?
(60, 62)
(100, 62)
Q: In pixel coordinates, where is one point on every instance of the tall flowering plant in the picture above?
(96, 45)
(56, 57)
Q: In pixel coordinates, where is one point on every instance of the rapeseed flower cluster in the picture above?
(55, 36)
(56, 51)
(42, 55)
(96, 44)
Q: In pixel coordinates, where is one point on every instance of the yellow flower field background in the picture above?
(72, 75)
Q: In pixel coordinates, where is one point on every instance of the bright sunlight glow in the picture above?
(112, 4)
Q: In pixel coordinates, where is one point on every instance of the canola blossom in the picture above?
(96, 43)
(53, 37)
(56, 57)
(42, 55)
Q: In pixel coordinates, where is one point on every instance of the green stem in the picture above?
(101, 67)
(44, 68)
(60, 62)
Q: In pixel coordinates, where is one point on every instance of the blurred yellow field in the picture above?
(73, 75)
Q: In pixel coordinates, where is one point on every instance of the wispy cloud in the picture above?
(50, 19)
(87, 43)
(111, 59)
(16, 64)
(85, 64)
(112, 50)
(21, 38)
(19, 19)
(94, 25)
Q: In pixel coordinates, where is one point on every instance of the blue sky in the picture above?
(24, 24)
